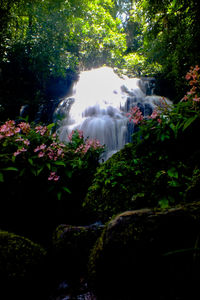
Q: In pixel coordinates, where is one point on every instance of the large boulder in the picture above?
(71, 247)
(148, 254)
(22, 267)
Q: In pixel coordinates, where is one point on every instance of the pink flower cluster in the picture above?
(41, 129)
(8, 129)
(135, 115)
(53, 152)
(89, 144)
(194, 81)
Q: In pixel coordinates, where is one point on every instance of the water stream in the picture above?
(98, 106)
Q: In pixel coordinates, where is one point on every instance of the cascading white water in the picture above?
(98, 106)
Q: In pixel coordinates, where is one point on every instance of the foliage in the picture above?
(137, 65)
(170, 31)
(160, 167)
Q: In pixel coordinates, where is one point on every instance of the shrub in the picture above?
(36, 170)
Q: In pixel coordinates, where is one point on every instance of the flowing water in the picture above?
(98, 106)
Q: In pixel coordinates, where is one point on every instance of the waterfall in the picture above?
(99, 104)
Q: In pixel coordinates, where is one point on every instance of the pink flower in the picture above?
(41, 147)
(19, 139)
(135, 115)
(41, 154)
(154, 114)
(25, 127)
(19, 151)
(59, 152)
(17, 130)
(41, 129)
(196, 98)
(53, 176)
(185, 98)
(26, 142)
(188, 76)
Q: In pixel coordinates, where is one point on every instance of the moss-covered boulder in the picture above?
(71, 248)
(148, 254)
(22, 267)
(113, 186)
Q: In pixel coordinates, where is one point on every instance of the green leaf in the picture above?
(173, 183)
(189, 122)
(34, 172)
(172, 173)
(50, 126)
(59, 194)
(164, 136)
(68, 173)
(10, 169)
(48, 166)
(1, 177)
(30, 161)
(59, 163)
(164, 203)
(22, 172)
(66, 190)
(119, 174)
(40, 170)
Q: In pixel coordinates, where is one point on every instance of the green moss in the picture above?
(19, 256)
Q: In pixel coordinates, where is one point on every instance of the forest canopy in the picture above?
(46, 43)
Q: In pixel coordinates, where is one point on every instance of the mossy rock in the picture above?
(71, 248)
(22, 265)
(148, 254)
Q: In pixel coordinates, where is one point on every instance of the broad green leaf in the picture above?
(50, 126)
(189, 122)
(66, 190)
